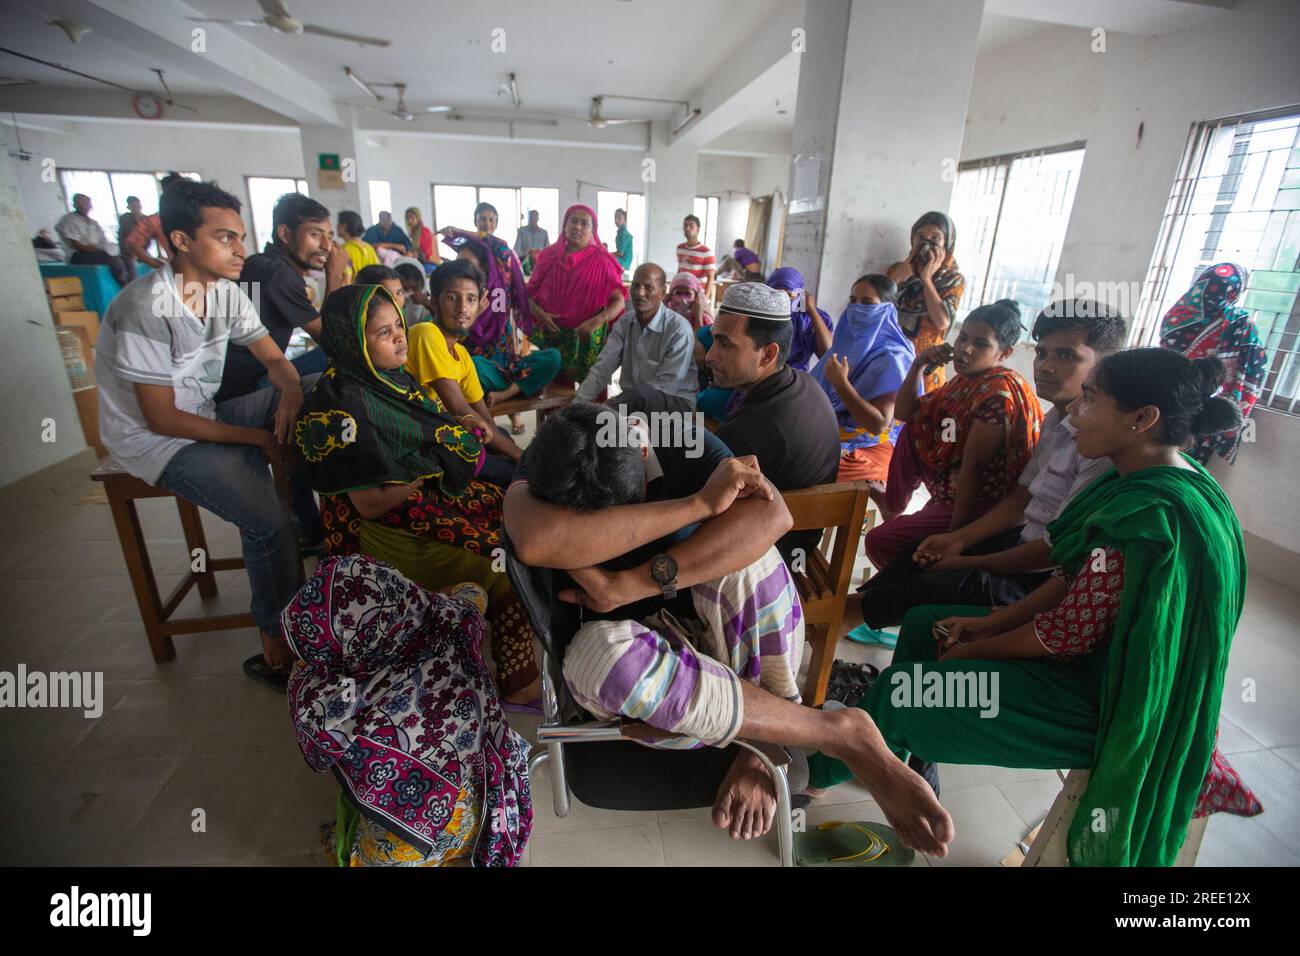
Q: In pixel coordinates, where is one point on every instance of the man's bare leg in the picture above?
(851, 735)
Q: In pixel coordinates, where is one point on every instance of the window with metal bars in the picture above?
(1237, 199)
(1011, 213)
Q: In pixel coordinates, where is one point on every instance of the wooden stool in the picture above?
(551, 398)
(122, 489)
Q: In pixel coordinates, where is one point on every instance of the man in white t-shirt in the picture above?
(159, 362)
(85, 241)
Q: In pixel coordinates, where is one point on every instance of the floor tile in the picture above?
(50, 735)
(1277, 784)
(988, 827)
(612, 846)
(700, 843)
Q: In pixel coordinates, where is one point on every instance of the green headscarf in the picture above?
(1184, 587)
(361, 426)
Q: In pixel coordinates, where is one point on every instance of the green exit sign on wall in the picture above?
(329, 162)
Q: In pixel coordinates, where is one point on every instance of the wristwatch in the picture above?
(664, 570)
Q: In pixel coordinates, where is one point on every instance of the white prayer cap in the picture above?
(756, 300)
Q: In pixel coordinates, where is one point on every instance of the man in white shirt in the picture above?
(159, 362)
(85, 240)
(654, 347)
(1000, 557)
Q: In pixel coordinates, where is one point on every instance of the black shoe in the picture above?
(928, 772)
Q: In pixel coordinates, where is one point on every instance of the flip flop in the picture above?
(518, 429)
(257, 668)
(862, 634)
(837, 843)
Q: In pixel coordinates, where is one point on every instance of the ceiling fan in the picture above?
(401, 111)
(597, 118)
(279, 19)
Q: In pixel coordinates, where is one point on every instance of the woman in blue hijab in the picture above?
(863, 369)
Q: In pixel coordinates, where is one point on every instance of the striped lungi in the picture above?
(684, 676)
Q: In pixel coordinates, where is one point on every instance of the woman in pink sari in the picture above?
(576, 289)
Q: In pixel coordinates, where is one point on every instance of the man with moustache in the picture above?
(276, 280)
(654, 347)
(1002, 556)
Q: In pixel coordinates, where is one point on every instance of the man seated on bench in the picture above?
(778, 414)
(693, 623)
(437, 359)
(159, 362)
(1004, 555)
(654, 347)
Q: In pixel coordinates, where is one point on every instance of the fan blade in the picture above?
(233, 23)
(275, 8)
(337, 35)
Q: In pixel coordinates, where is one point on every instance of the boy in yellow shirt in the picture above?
(443, 366)
(360, 253)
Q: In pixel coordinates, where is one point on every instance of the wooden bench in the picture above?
(823, 584)
(122, 490)
(551, 398)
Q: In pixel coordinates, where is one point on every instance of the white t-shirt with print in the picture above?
(150, 336)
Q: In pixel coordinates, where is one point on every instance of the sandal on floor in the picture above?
(849, 681)
(257, 668)
(518, 429)
(836, 843)
(870, 635)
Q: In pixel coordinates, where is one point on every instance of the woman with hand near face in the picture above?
(929, 286)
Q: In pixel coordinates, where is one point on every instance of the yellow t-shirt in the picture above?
(360, 254)
(429, 359)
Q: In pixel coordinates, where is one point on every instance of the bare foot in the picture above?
(876, 492)
(909, 804)
(276, 652)
(746, 802)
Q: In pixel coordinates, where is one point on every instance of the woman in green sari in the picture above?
(1117, 662)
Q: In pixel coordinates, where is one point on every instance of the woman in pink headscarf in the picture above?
(575, 290)
(686, 298)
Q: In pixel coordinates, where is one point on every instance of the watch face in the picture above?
(663, 569)
(147, 107)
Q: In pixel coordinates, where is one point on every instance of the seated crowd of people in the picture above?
(1081, 560)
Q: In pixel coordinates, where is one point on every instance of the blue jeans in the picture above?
(306, 513)
(234, 483)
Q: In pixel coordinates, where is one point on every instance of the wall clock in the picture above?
(147, 107)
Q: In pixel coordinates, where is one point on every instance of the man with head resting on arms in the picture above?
(672, 559)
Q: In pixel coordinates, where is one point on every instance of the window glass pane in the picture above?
(381, 198)
(636, 225)
(263, 191)
(141, 185)
(546, 201)
(96, 185)
(454, 206)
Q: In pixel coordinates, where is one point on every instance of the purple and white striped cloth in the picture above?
(684, 677)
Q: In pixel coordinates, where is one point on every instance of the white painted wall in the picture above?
(31, 368)
(1050, 88)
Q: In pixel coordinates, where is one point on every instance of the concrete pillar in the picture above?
(39, 424)
(350, 146)
(877, 133)
(670, 196)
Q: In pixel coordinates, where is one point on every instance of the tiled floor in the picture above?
(193, 763)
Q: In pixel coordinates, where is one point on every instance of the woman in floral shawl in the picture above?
(929, 287)
(576, 289)
(391, 696)
(1204, 322)
(396, 473)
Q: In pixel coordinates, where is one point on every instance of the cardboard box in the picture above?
(87, 401)
(84, 320)
(67, 303)
(63, 285)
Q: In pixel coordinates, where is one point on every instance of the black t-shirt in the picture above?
(787, 423)
(280, 295)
